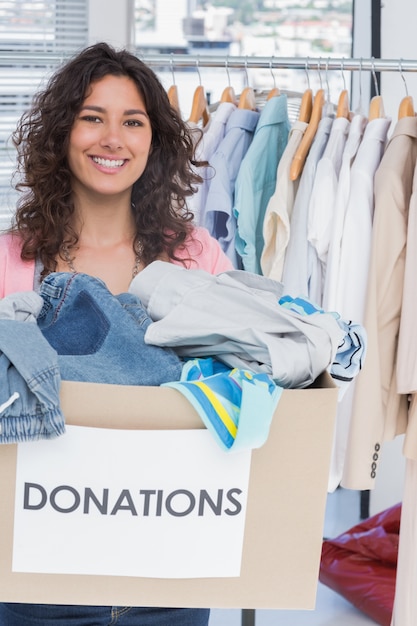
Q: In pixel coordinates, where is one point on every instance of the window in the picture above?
(266, 28)
(34, 37)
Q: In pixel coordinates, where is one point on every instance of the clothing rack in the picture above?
(273, 62)
(234, 62)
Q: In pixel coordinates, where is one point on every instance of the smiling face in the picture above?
(110, 140)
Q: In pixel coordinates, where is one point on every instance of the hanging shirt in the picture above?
(356, 130)
(276, 226)
(295, 275)
(322, 203)
(354, 270)
(218, 216)
(369, 177)
(256, 180)
(213, 134)
(357, 230)
(341, 430)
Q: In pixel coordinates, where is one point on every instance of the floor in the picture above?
(342, 512)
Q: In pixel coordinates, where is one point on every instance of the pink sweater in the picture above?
(18, 275)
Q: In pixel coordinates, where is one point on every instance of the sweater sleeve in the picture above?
(15, 274)
(202, 251)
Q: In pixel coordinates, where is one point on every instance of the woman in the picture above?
(106, 166)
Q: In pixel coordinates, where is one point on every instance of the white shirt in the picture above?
(357, 232)
(356, 130)
(355, 259)
(322, 203)
(213, 134)
(276, 226)
(352, 277)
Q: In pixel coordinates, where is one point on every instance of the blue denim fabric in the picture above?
(100, 337)
(29, 384)
(57, 615)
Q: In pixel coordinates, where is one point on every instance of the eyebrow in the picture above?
(98, 109)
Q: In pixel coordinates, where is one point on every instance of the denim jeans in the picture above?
(100, 337)
(29, 374)
(68, 615)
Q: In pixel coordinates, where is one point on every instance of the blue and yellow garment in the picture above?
(235, 405)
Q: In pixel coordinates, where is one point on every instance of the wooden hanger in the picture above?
(376, 108)
(306, 106)
(274, 92)
(247, 99)
(376, 105)
(302, 150)
(228, 95)
(173, 91)
(406, 108)
(199, 109)
(343, 106)
(173, 97)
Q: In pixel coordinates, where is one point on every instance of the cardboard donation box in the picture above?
(137, 504)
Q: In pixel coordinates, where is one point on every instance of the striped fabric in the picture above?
(235, 405)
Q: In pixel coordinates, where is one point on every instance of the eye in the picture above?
(91, 118)
(134, 123)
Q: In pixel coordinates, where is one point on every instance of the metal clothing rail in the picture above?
(273, 62)
(234, 62)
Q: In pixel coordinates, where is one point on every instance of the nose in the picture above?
(112, 137)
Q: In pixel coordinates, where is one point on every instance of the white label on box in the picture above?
(159, 504)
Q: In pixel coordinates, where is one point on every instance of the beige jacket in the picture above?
(379, 412)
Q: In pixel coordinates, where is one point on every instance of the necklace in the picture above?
(70, 261)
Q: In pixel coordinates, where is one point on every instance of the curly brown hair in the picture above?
(44, 212)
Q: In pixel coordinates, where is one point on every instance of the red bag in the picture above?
(361, 564)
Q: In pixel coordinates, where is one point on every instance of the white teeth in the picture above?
(108, 162)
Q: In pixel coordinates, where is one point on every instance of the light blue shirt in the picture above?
(212, 136)
(217, 214)
(256, 180)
